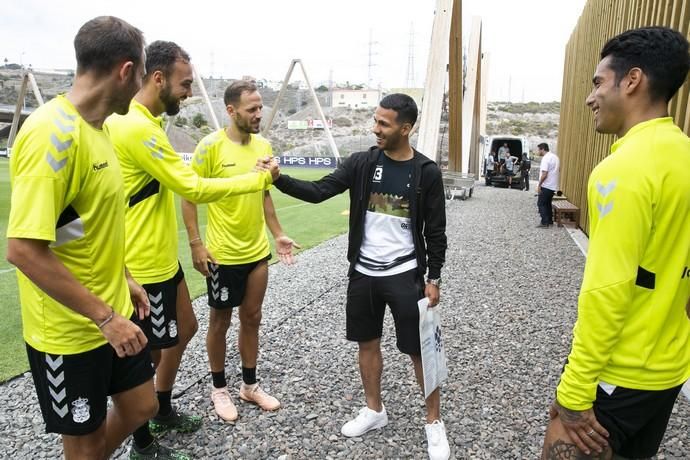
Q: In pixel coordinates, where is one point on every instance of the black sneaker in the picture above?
(175, 421)
(156, 451)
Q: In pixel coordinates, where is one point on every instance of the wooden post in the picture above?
(436, 71)
(455, 90)
(470, 110)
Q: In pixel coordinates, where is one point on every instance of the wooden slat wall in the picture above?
(579, 146)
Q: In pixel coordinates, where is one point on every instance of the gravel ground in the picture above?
(509, 304)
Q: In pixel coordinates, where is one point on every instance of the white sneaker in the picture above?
(436, 438)
(367, 420)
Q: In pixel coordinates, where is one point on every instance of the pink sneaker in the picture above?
(222, 403)
(254, 394)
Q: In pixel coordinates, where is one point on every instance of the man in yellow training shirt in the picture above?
(236, 259)
(66, 236)
(631, 343)
(152, 173)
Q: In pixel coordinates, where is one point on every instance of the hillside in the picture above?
(351, 127)
(537, 121)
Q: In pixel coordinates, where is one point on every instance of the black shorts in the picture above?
(367, 297)
(160, 326)
(227, 284)
(635, 419)
(73, 390)
(510, 173)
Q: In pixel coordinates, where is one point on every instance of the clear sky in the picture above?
(525, 38)
(526, 41)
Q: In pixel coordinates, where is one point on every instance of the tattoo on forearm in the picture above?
(561, 450)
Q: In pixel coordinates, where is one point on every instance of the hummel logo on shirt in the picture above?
(99, 166)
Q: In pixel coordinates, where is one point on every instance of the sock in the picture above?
(142, 437)
(164, 405)
(249, 375)
(219, 379)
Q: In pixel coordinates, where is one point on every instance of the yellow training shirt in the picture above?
(632, 329)
(152, 172)
(236, 231)
(67, 189)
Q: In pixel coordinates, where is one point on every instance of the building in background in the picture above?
(415, 93)
(355, 98)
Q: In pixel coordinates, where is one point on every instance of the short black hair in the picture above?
(233, 93)
(661, 53)
(105, 41)
(544, 146)
(404, 105)
(162, 55)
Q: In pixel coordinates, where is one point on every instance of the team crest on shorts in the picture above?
(224, 294)
(80, 410)
(172, 328)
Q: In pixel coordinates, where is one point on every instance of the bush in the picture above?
(199, 120)
(342, 121)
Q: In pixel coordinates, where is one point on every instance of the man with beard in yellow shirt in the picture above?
(152, 173)
(235, 261)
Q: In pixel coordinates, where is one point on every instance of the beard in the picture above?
(246, 126)
(170, 102)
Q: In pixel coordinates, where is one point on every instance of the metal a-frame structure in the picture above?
(27, 79)
(312, 93)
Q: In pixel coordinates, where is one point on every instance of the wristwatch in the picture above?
(436, 282)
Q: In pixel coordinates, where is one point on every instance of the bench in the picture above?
(565, 209)
(458, 185)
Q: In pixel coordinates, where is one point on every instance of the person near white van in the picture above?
(548, 184)
(510, 167)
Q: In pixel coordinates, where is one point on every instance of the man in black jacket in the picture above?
(397, 236)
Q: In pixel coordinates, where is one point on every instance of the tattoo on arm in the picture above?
(561, 450)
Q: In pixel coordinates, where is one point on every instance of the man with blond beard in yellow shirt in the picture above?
(631, 343)
(235, 260)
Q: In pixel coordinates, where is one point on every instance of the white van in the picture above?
(517, 145)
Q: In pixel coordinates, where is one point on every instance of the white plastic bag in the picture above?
(433, 351)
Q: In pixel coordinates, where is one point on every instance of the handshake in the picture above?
(268, 164)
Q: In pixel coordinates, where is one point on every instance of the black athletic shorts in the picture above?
(73, 390)
(160, 326)
(227, 284)
(367, 297)
(635, 419)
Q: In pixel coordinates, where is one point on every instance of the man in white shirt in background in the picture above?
(548, 184)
